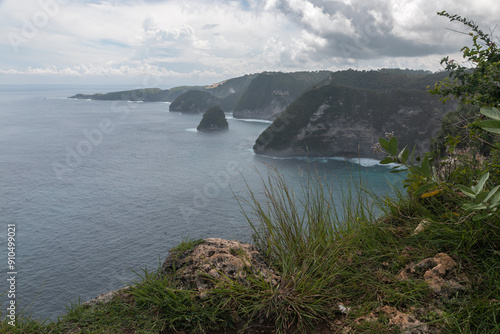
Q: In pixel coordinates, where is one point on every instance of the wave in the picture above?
(255, 120)
(192, 130)
(363, 162)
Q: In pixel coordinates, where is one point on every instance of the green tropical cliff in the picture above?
(347, 113)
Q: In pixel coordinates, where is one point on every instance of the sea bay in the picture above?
(100, 189)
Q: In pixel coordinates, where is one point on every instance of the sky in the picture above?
(164, 43)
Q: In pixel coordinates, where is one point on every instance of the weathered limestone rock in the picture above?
(439, 273)
(106, 297)
(421, 226)
(217, 259)
(408, 323)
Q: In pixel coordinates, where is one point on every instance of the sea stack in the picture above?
(213, 119)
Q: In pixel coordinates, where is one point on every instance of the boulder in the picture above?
(200, 267)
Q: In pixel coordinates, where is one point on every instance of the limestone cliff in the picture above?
(271, 92)
(336, 120)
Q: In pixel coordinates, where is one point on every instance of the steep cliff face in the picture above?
(335, 120)
(271, 92)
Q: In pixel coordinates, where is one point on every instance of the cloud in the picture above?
(227, 38)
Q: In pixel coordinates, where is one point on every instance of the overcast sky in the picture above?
(164, 42)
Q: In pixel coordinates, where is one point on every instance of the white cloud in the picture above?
(217, 39)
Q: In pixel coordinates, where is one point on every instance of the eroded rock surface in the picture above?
(106, 297)
(439, 272)
(217, 259)
(408, 323)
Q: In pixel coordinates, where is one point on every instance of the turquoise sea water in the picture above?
(97, 189)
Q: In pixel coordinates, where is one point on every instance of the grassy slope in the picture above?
(326, 257)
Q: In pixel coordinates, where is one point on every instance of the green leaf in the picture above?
(384, 143)
(386, 160)
(495, 199)
(393, 146)
(481, 196)
(425, 167)
(397, 170)
(474, 207)
(491, 193)
(425, 188)
(493, 113)
(481, 216)
(490, 126)
(403, 155)
(480, 184)
(467, 191)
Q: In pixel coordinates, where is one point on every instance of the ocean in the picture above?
(99, 190)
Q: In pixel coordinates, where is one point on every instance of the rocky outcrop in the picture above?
(216, 259)
(213, 119)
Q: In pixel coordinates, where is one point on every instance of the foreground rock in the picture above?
(407, 323)
(217, 259)
(439, 272)
(213, 119)
(106, 297)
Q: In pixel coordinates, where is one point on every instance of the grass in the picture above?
(337, 262)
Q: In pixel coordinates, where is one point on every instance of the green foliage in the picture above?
(178, 308)
(303, 236)
(485, 203)
(493, 124)
(477, 85)
(421, 179)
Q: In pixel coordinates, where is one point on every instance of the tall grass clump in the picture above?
(305, 234)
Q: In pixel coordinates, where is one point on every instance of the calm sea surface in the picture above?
(97, 189)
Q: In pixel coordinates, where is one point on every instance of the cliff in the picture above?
(271, 92)
(194, 101)
(337, 120)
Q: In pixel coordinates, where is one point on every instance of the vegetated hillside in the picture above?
(271, 92)
(143, 94)
(338, 120)
(388, 79)
(126, 95)
(231, 86)
(194, 101)
(260, 96)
